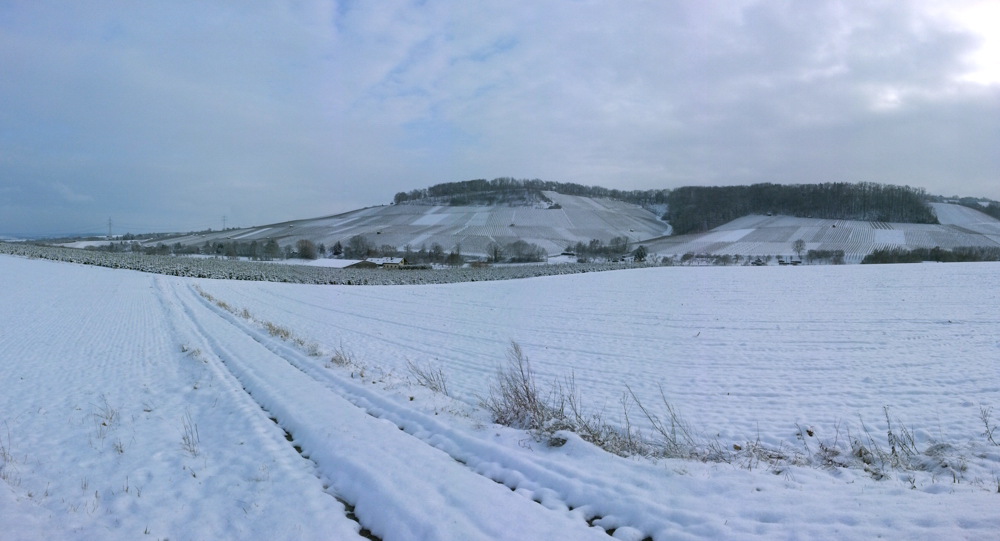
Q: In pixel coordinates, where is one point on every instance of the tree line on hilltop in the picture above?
(693, 209)
(506, 190)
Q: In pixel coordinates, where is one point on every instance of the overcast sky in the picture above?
(169, 115)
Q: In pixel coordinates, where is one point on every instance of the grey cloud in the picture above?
(67, 194)
(271, 112)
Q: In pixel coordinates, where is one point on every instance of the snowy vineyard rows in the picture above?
(225, 269)
(774, 235)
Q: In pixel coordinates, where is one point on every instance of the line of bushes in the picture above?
(835, 257)
(918, 255)
(231, 269)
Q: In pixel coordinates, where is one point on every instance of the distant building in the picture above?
(362, 265)
(389, 262)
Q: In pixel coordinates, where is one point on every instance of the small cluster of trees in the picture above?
(693, 208)
(722, 260)
(434, 254)
(518, 251)
(615, 248)
(305, 249)
(917, 255)
(361, 247)
(825, 256)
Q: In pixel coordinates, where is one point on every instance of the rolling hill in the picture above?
(573, 219)
(473, 215)
(758, 235)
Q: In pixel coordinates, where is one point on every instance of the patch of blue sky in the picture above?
(497, 47)
(398, 80)
(113, 31)
(434, 137)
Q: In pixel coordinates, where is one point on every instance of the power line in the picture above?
(94, 230)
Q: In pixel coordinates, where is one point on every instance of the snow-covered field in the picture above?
(321, 262)
(138, 404)
(84, 243)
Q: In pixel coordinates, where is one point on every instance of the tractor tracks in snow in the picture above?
(395, 485)
(185, 327)
(548, 482)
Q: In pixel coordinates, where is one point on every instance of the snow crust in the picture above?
(741, 352)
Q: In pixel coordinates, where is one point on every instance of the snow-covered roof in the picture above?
(384, 260)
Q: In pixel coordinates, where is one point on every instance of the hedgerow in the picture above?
(228, 269)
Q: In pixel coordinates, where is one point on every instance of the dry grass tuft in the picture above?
(190, 439)
(343, 357)
(430, 377)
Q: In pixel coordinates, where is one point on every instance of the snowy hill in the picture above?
(575, 219)
(773, 235)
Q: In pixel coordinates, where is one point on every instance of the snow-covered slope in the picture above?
(84, 243)
(138, 403)
(474, 228)
(961, 215)
(773, 235)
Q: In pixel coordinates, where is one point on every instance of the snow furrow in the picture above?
(366, 460)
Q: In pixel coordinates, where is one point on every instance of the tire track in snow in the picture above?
(550, 484)
(369, 461)
(348, 508)
(179, 313)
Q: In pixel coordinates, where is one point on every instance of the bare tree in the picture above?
(358, 246)
(305, 249)
(640, 253)
(271, 250)
(495, 252)
(798, 247)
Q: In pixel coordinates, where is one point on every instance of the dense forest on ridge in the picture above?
(692, 209)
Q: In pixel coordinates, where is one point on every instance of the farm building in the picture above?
(388, 262)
